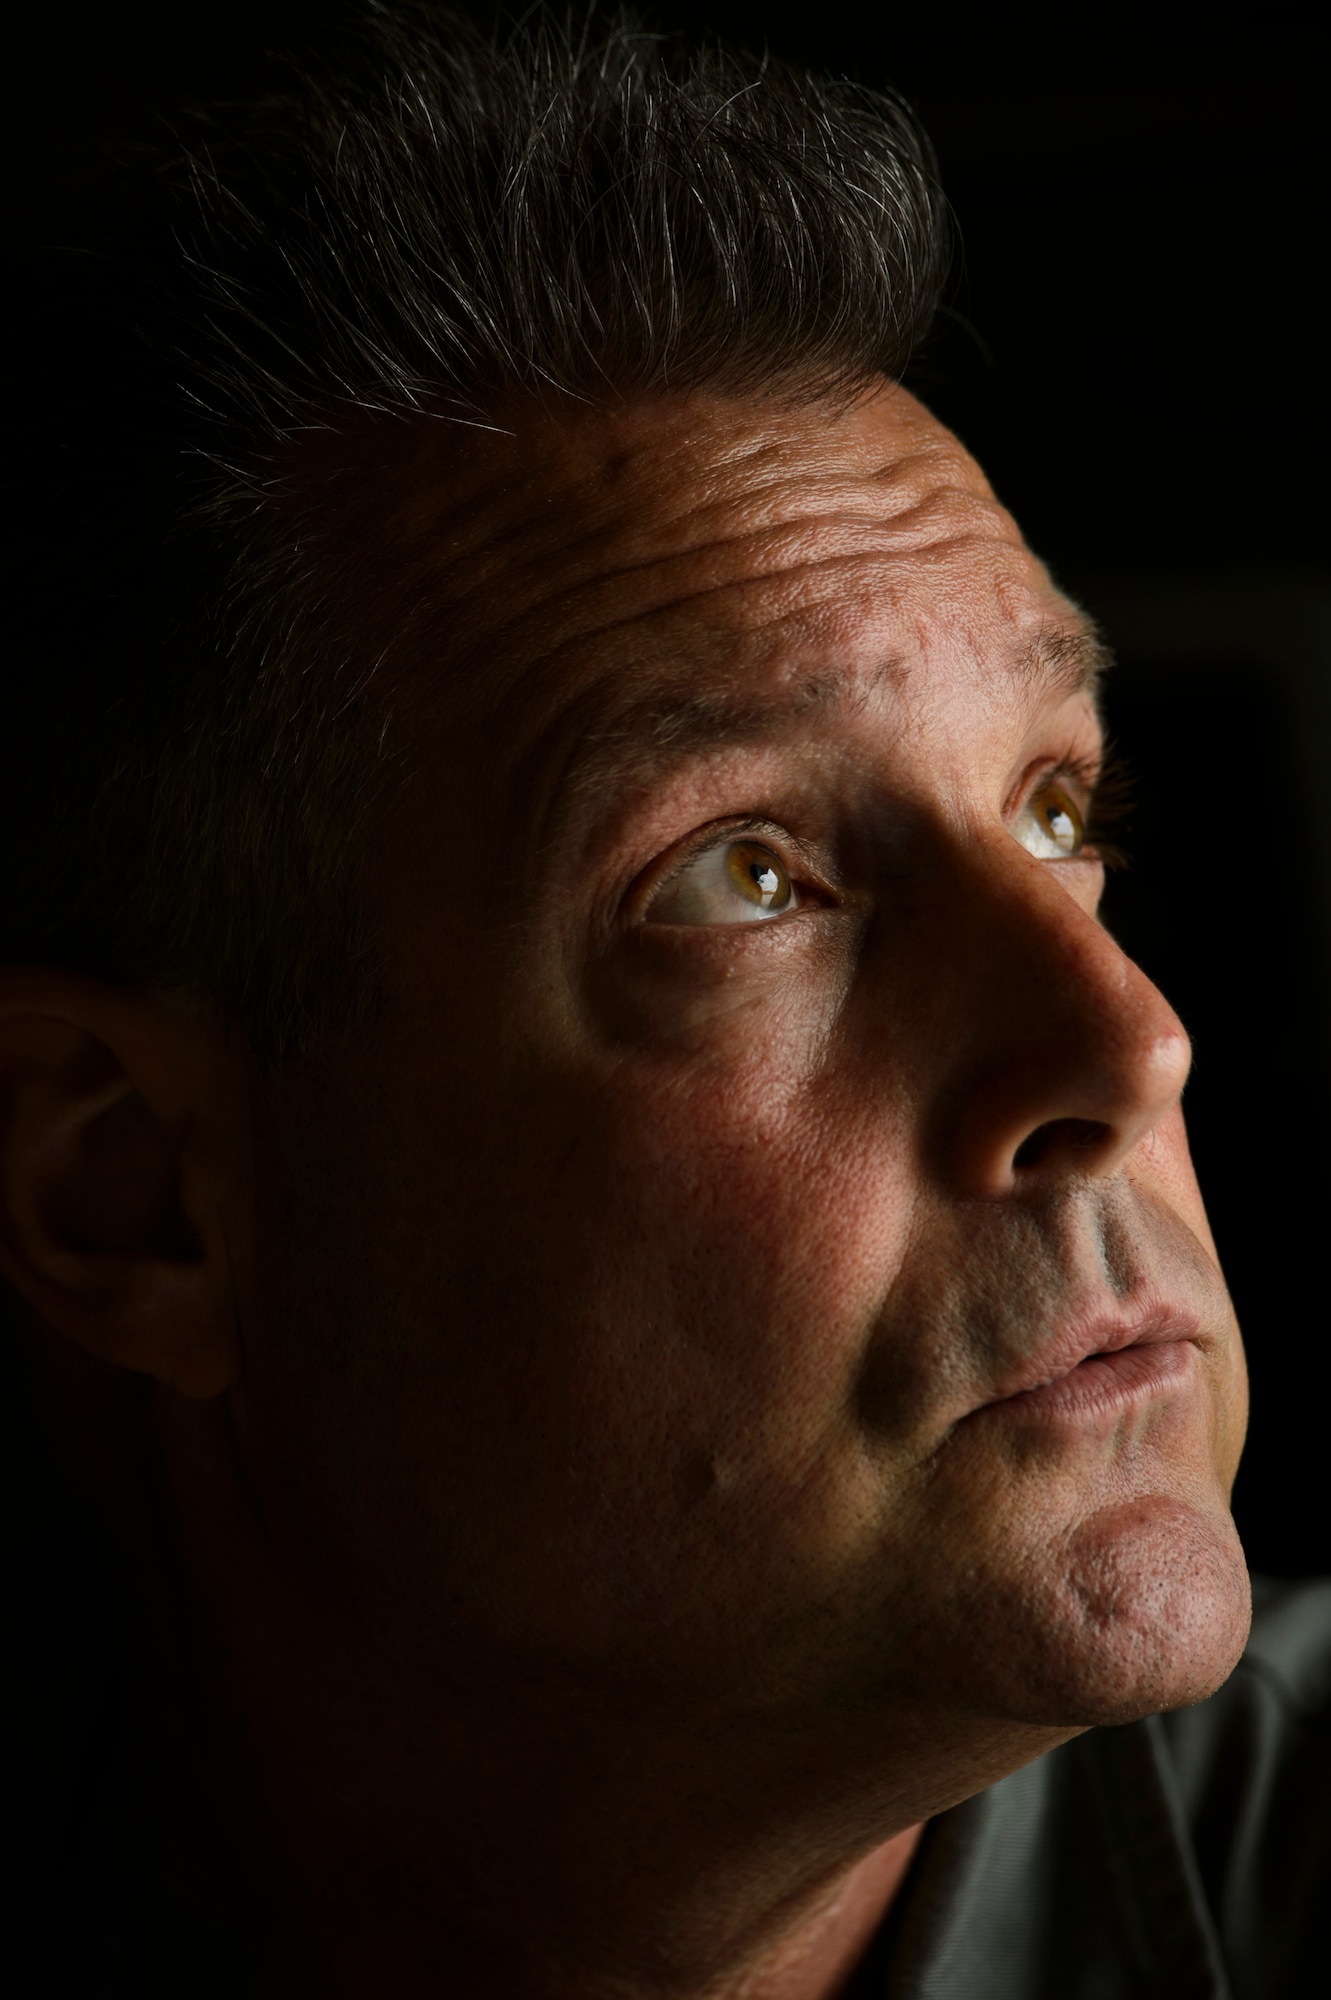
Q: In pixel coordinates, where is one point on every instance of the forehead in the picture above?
(697, 563)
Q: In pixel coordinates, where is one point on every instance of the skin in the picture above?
(585, 1396)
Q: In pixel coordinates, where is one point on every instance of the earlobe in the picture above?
(117, 1168)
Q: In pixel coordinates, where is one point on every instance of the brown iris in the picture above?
(758, 874)
(1050, 825)
(1061, 820)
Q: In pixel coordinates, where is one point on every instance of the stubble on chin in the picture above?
(1141, 1608)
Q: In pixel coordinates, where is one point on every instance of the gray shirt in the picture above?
(1187, 1856)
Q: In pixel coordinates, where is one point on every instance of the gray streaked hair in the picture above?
(413, 220)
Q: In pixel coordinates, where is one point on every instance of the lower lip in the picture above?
(1104, 1383)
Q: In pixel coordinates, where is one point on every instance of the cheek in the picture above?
(753, 1192)
(647, 1414)
(726, 1305)
(733, 1251)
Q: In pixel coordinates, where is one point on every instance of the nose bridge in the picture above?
(1067, 1055)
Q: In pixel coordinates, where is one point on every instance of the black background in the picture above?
(1134, 348)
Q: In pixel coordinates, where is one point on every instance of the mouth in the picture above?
(1102, 1369)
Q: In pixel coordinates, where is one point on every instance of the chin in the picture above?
(1146, 1609)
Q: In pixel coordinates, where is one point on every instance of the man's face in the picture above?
(758, 1106)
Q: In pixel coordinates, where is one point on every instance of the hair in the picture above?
(416, 218)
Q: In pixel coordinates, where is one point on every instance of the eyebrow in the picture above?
(1072, 661)
(661, 728)
(1054, 665)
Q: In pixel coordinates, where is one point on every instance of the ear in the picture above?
(124, 1146)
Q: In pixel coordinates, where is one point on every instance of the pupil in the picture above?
(765, 876)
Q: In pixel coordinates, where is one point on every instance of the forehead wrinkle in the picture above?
(588, 568)
(516, 509)
(757, 596)
(782, 620)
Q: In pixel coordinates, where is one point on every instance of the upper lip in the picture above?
(1108, 1334)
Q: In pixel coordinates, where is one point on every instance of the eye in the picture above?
(735, 882)
(1050, 825)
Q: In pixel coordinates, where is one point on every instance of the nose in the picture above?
(1065, 1055)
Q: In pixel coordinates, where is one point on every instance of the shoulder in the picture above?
(1278, 1694)
(1290, 1643)
(1291, 1639)
(1252, 1769)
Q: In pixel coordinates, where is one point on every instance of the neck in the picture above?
(801, 1945)
(536, 1855)
(518, 1831)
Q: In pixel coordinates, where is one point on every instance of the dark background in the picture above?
(1134, 347)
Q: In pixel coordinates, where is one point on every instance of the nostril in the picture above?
(1059, 1135)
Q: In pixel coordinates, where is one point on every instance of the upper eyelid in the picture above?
(1081, 775)
(1082, 772)
(718, 832)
